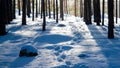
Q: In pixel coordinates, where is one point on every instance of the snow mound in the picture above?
(28, 51)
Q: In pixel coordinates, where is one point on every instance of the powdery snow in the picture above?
(68, 44)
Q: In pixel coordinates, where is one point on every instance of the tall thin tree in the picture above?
(110, 19)
(24, 2)
(33, 11)
(28, 8)
(13, 8)
(49, 6)
(19, 7)
(36, 8)
(56, 11)
(3, 17)
(61, 10)
(103, 10)
(97, 15)
(44, 16)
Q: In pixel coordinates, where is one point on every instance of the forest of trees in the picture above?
(82, 8)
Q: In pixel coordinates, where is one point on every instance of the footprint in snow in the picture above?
(83, 56)
(61, 58)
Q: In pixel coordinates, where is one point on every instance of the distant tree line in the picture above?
(43, 8)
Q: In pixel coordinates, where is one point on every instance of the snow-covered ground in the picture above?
(68, 44)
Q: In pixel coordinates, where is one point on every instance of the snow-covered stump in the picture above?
(28, 51)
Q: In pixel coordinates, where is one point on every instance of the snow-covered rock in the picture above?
(28, 51)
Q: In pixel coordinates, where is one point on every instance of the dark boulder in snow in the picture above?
(28, 51)
(61, 25)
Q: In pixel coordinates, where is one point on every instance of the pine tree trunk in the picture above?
(49, 6)
(46, 6)
(3, 17)
(119, 8)
(44, 16)
(14, 7)
(97, 16)
(61, 10)
(42, 8)
(56, 11)
(110, 19)
(103, 10)
(75, 8)
(28, 8)
(36, 8)
(24, 12)
(81, 8)
(19, 8)
(33, 10)
(116, 11)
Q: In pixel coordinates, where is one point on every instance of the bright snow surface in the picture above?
(68, 44)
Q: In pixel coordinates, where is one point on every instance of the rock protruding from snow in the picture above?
(28, 51)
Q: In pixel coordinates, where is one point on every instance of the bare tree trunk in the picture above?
(42, 8)
(56, 11)
(97, 15)
(103, 10)
(19, 8)
(36, 8)
(49, 6)
(33, 10)
(3, 17)
(24, 2)
(61, 10)
(110, 19)
(14, 7)
(28, 8)
(44, 16)
(116, 11)
(81, 8)
(75, 8)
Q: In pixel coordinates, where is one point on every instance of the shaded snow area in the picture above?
(68, 44)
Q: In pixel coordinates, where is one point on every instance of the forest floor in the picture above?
(67, 44)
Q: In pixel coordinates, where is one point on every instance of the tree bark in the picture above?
(44, 16)
(110, 19)
(24, 12)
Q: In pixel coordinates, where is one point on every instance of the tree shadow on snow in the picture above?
(21, 61)
(53, 39)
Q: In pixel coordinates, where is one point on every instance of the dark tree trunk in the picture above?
(61, 10)
(28, 8)
(75, 4)
(8, 11)
(46, 6)
(49, 8)
(24, 2)
(119, 8)
(36, 8)
(10, 8)
(42, 8)
(110, 19)
(116, 11)
(3, 17)
(19, 8)
(87, 11)
(44, 16)
(103, 10)
(56, 11)
(33, 10)
(81, 8)
(97, 16)
(13, 8)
